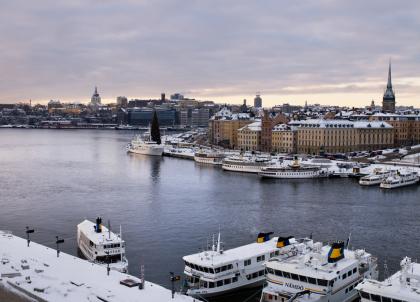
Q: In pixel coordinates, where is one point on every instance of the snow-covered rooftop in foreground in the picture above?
(36, 270)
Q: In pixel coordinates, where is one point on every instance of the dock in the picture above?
(35, 273)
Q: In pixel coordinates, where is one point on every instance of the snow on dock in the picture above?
(40, 275)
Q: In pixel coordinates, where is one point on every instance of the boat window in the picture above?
(234, 279)
(349, 273)
(344, 276)
(295, 277)
(278, 273)
(217, 270)
(211, 284)
(322, 282)
(219, 283)
(227, 281)
(206, 270)
(286, 275)
(331, 283)
(211, 270)
(375, 298)
(254, 275)
(386, 299)
(355, 270)
(247, 262)
(223, 268)
(230, 266)
(261, 273)
(365, 295)
(303, 279)
(260, 258)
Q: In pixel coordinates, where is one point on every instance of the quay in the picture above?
(36, 273)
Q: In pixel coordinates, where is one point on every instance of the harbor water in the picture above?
(53, 179)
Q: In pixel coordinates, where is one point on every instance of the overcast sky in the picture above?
(324, 51)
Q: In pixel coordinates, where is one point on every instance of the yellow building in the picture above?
(283, 139)
(339, 136)
(224, 125)
(249, 137)
(407, 127)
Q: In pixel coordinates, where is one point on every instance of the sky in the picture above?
(324, 51)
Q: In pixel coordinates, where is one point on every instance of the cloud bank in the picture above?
(322, 51)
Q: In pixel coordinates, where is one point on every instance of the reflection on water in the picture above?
(52, 180)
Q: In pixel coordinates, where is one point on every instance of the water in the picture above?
(53, 179)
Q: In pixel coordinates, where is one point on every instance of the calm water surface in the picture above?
(168, 208)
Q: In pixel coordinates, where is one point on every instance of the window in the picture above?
(278, 273)
(286, 275)
(247, 262)
(211, 284)
(219, 283)
(303, 279)
(375, 298)
(386, 299)
(227, 281)
(322, 282)
(344, 276)
(295, 277)
(261, 273)
(260, 258)
(234, 279)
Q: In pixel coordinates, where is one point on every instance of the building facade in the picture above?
(340, 136)
(249, 137)
(284, 139)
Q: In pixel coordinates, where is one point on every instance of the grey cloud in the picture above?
(60, 49)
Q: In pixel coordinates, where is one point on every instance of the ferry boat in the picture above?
(400, 179)
(326, 274)
(403, 286)
(208, 157)
(215, 271)
(146, 147)
(375, 178)
(295, 170)
(248, 164)
(99, 245)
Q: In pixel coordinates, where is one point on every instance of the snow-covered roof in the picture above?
(255, 126)
(320, 123)
(281, 127)
(226, 114)
(68, 278)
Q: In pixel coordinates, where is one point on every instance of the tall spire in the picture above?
(389, 85)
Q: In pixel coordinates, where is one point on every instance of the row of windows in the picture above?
(320, 282)
(351, 287)
(219, 283)
(378, 298)
(255, 275)
(110, 246)
(209, 269)
(349, 273)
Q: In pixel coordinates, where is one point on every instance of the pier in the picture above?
(38, 273)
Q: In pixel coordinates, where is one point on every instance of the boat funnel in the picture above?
(98, 226)
(283, 241)
(336, 252)
(263, 237)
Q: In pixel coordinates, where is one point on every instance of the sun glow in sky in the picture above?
(327, 51)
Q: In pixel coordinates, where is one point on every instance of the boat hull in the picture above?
(399, 184)
(147, 151)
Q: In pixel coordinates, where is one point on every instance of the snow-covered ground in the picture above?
(36, 270)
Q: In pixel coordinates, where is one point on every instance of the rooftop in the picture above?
(88, 228)
(68, 278)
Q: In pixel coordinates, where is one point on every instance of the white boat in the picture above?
(208, 157)
(215, 271)
(140, 146)
(248, 164)
(400, 179)
(294, 170)
(326, 274)
(402, 286)
(376, 177)
(101, 246)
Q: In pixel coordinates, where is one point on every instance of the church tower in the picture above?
(388, 103)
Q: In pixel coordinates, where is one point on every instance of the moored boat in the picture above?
(326, 274)
(400, 179)
(294, 170)
(100, 245)
(208, 157)
(216, 271)
(248, 164)
(402, 286)
(375, 178)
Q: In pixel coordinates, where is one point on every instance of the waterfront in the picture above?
(53, 179)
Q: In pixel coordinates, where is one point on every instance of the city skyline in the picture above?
(329, 53)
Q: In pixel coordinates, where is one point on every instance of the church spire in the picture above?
(389, 85)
